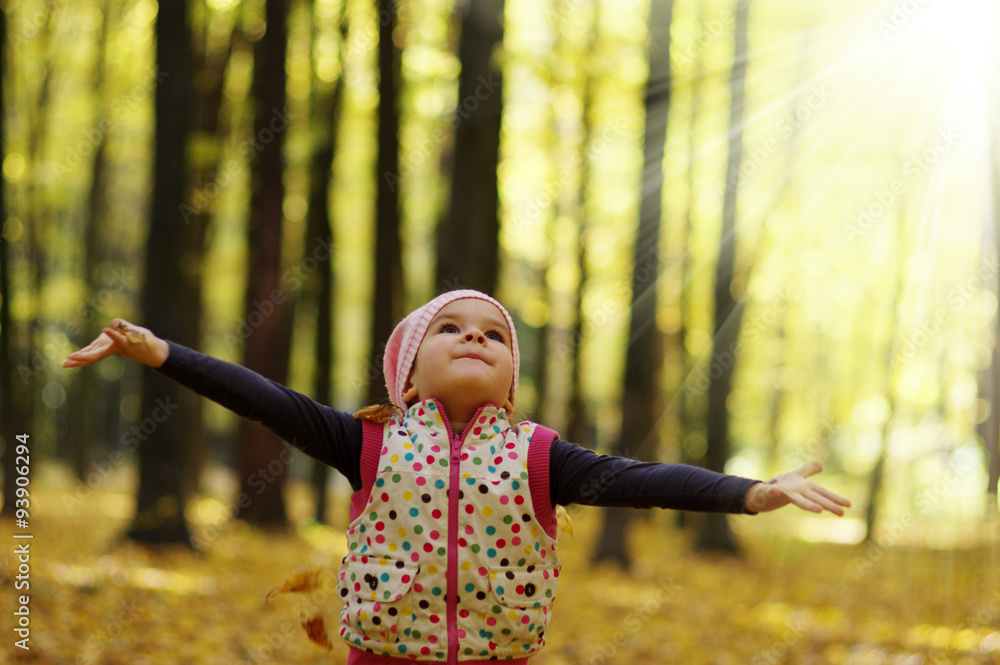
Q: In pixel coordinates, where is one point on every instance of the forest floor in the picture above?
(96, 600)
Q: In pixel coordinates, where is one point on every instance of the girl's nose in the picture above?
(475, 336)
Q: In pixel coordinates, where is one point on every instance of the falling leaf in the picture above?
(317, 631)
(564, 521)
(305, 580)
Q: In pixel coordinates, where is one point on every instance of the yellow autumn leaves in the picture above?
(784, 602)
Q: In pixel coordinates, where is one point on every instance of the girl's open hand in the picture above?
(795, 487)
(124, 339)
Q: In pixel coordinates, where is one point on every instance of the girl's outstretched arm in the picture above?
(795, 487)
(331, 436)
(124, 339)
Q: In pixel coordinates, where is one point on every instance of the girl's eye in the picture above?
(495, 336)
(449, 328)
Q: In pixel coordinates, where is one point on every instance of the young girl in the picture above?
(452, 540)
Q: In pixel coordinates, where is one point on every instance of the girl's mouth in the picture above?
(472, 356)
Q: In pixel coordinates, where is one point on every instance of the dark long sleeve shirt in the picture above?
(577, 475)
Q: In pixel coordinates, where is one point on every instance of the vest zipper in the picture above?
(453, 490)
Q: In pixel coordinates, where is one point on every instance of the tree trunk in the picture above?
(208, 132)
(87, 421)
(161, 497)
(989, 429)
(580, 428)
(387, 302)
(10, 425)
(326, 119)
(262, 462)
(892, 372)
(581, 424)
(30, 361)
(682, 403)
(319, 229)
(714, 533)
(468, 246)
(639, 435)
(543, 342)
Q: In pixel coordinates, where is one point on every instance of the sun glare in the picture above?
(954, 42)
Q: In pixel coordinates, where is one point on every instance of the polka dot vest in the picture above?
(448, 560)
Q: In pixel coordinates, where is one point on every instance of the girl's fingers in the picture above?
(830, 500)
(825, 499)
(124, 339)
(833, 496)
(99, 349)
(805, 503)
(826, 503)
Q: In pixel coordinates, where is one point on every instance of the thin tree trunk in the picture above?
(36, 216)
(580, 428)
(208, 130)
(714, 532)
(388, 253)
(683, 403)
(989, 429)
(161, 497)
(468, 245)
(10, 423)
(639, 436)
(683, 410)
(327, 105)
(262, 461)
(544, 409)
(891, 376)
(84, 411)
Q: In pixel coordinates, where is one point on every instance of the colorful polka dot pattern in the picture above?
(394, 581)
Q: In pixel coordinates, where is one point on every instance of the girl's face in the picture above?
(465, 359)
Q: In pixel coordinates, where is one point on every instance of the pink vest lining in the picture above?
(371, 449)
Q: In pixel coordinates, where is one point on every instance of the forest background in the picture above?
(740, 234)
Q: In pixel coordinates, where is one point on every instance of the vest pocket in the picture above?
(520, 609)
(374, 590)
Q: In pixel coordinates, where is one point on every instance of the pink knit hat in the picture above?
(404, 342)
